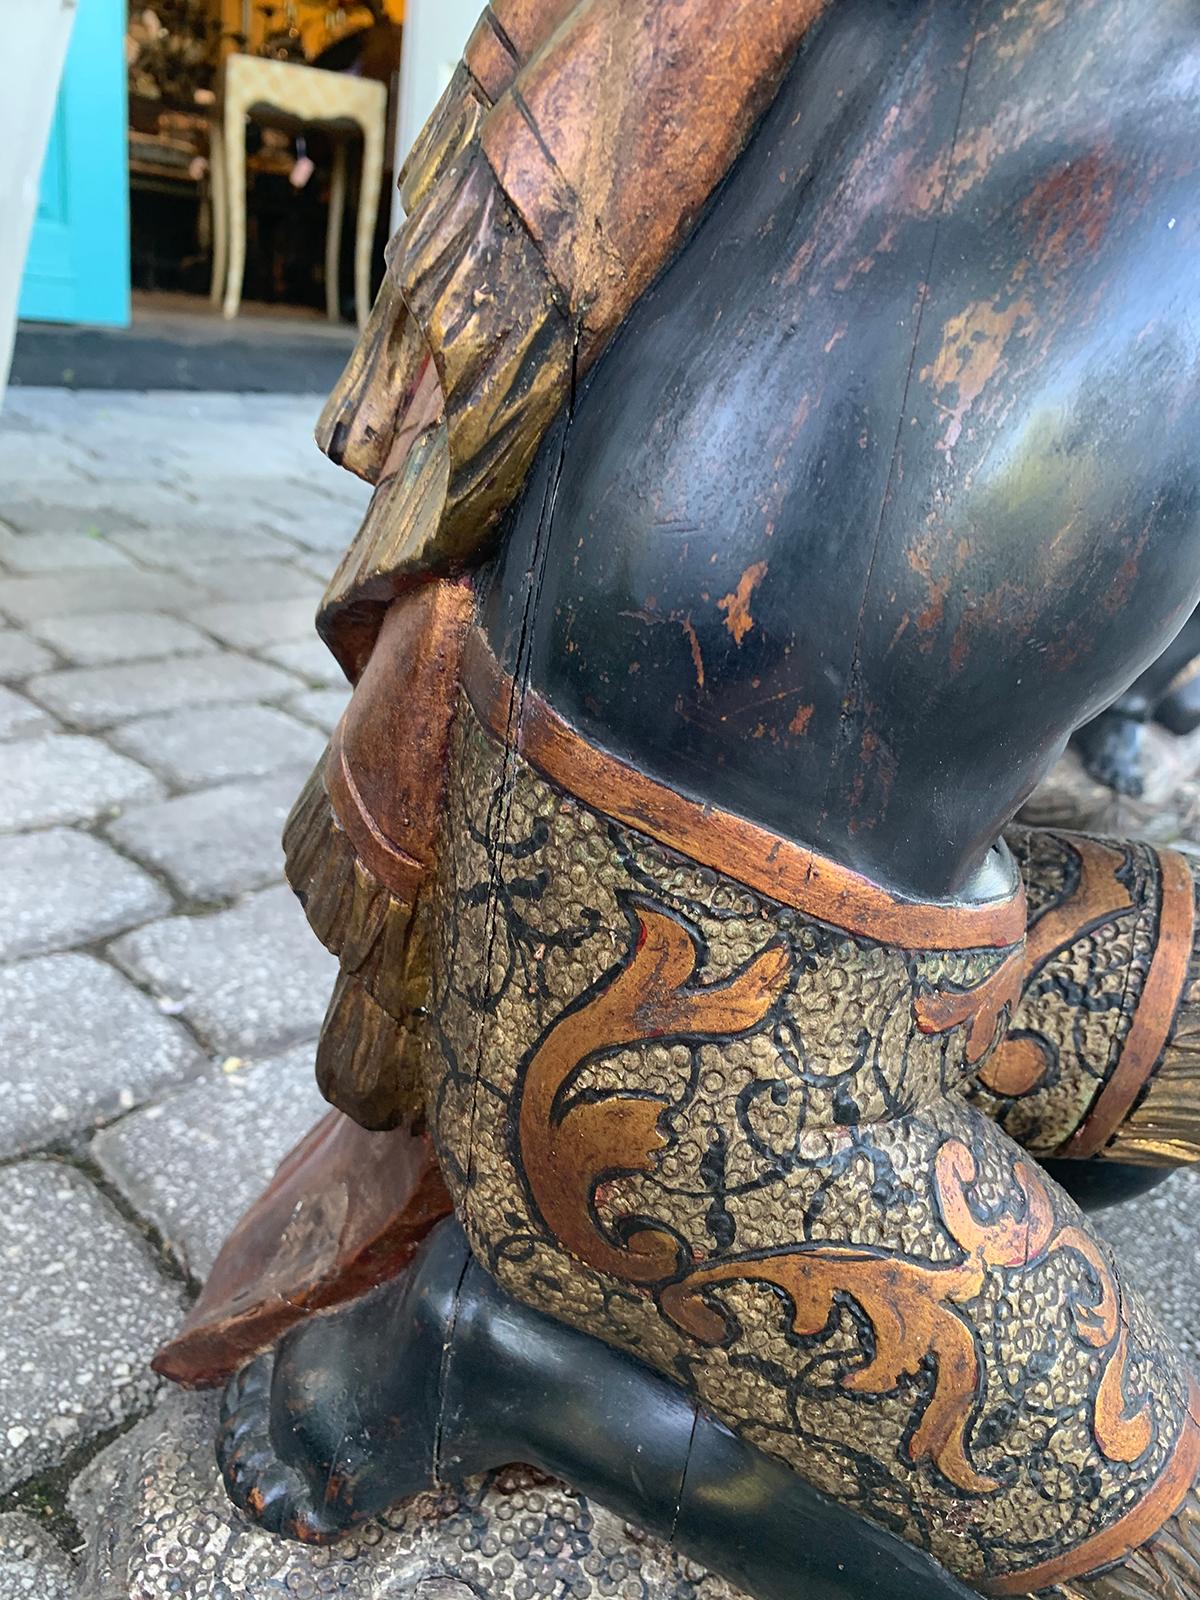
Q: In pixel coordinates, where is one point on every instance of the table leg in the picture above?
(333, 231)
(368, 209)
(220, 211)
(235, 189)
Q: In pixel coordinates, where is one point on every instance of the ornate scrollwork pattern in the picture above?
(721, 1134)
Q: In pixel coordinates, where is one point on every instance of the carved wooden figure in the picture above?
(783, 420)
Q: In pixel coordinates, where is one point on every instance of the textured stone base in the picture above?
(157, 1525)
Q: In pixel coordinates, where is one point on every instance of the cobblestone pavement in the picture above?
(162, 697)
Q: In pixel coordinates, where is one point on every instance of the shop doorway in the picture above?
(126, 214)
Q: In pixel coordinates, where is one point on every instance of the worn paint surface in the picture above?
(891, 479)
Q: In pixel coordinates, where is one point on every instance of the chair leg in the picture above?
(235, 189)
(333, 231)
(220, 212)
(368, 210)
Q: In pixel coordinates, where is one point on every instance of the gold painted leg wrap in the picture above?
(1102, 1056)
(722, 1133)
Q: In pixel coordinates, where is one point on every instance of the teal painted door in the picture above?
(77, 269)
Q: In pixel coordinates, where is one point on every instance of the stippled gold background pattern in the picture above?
(821, 1126)
(1082, 1002)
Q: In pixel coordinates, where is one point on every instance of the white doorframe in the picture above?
(435, 35)
(35, 45)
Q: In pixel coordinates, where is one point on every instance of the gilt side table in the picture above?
(288, 95)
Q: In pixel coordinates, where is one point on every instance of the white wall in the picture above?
(35, 34)
(435, 34)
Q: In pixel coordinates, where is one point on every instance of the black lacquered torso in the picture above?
(891, 480)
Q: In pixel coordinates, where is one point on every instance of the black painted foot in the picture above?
(341, 1421)
(344, 1421)
(1111, 747)
(270, 1493)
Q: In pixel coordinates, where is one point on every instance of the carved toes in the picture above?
(265, 1489)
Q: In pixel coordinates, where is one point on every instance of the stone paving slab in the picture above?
(321, 565)
(96, 697)
(253, 454)
(80, 1044)
(309, 659)
(109, 455)
(58, 552)
(21, 656)
(214, 744)
(259, 580)
(82, 506)
(108, 462)
(23, 512)
(19, 717)
(323, 707)
(251, 980)
(57, 455)
(67, 778)
(218, 842)
(158, 1527)
(186, 549)
(113, 636)
(62, 888)
(76, 593)
(32, 1567)
(318, 526)
(193, 1163)
(251, 624)
(204, 512)
(307, 479)
(84, 1308)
